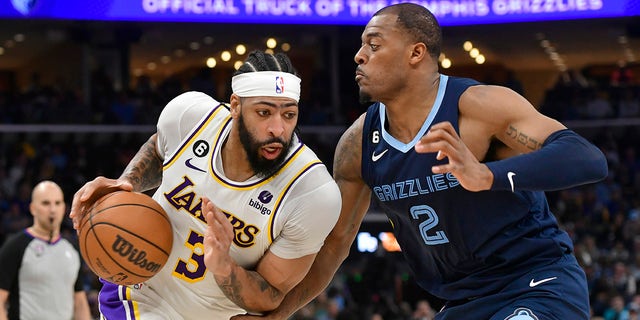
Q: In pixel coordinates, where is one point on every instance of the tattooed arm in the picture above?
(144, 172)
(545, 147)
(256, 290)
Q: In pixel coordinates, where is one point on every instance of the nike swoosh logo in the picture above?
(189, 165)
(510, 177)
(375, 157)
(534, 283)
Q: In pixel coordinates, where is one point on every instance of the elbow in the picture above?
(337, 246)
(342, 253)
(589, 165)
(601, 171)
(599, 167)
(264, 306)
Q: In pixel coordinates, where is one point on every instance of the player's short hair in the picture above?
(421, 24)
(262, 61)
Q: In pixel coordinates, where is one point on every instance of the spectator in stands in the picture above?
(622, 281)
(423, 311)
(616, 309)
(634, 304)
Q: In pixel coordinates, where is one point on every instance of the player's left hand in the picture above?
(217, 239)
(443, 139)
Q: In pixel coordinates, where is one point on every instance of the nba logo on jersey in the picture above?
(279, 84)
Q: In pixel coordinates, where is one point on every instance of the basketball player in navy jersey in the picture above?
(476, 233)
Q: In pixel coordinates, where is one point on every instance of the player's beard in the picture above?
(261, 167)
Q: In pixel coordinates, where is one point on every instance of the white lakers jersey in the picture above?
(289, 213)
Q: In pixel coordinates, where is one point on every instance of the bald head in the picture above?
(46, 187)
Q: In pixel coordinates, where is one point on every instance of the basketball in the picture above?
(125, 237)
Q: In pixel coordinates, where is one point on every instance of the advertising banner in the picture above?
(330, 12)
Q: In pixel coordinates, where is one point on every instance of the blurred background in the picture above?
(82, 84)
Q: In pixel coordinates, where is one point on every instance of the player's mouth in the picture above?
(271, 151)
(359, 76)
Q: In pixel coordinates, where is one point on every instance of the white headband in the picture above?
(266, 84)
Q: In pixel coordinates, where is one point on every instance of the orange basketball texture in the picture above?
(125, 238)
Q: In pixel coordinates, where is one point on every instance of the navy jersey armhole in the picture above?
(369, 123)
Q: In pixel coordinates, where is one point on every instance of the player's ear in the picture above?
(418, 52)
(234, 105)
(32, 208)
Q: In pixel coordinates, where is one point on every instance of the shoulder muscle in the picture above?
(347, 162)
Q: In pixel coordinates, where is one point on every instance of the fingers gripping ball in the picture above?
(125, 238)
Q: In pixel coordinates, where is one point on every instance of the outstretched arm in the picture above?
(355, 202)
(551, 157)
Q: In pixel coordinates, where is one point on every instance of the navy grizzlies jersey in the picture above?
(460, 244)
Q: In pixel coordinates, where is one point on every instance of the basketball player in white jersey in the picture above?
(250, 204)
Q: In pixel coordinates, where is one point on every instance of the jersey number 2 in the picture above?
(425, 226)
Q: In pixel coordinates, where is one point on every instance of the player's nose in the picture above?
(359, 58)
(276, 126)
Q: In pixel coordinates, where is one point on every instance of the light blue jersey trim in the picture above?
(402, 147)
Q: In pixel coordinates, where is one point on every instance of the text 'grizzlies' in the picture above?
(414, 187)
(138, 257)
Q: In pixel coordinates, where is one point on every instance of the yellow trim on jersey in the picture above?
(202, 126)
(134, 304)
(224, 125)
(276, 207)
(261, 183)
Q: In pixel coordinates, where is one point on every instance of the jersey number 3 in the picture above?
(437, 237)
(194, 269)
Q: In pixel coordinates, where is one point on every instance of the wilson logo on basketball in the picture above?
(138, 257)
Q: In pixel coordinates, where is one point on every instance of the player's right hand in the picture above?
(93, 190)
(462, 163)
(217, 239)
